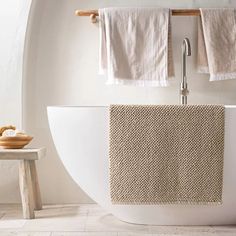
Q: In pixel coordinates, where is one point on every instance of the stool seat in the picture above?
(28, 178)
(22, 154)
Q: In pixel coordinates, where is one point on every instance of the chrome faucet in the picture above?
(186, 51)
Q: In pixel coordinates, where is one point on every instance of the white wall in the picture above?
(13, 20)
(61, 63)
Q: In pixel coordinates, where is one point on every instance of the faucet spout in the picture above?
(186, 51)
(187, 46)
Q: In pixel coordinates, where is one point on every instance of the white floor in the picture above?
(90, 220)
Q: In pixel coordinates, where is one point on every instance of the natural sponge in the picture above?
(3, 128)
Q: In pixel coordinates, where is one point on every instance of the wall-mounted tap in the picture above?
(186, 51)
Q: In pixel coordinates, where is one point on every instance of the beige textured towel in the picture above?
(135, 46)
(217, 43)
(166, 154)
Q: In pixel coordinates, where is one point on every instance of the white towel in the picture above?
(217, 43)
(135, 46)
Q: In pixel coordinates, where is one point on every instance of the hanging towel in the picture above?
(217, 43)
(135, 46)
(169, 154)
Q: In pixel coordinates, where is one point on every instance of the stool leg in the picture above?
(35, 186)
(26, 189)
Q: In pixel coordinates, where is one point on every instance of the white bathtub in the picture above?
(80, 135)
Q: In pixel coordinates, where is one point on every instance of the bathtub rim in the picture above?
(106, 106)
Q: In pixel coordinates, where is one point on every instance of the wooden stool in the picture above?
(28, 178)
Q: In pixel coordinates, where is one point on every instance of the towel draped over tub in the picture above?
(166, 154)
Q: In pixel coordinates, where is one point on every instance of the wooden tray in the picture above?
(16, 142)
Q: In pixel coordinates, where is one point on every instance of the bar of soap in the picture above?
(9, 133)
(20, 132)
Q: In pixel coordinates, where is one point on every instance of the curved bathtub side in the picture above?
(80, 135)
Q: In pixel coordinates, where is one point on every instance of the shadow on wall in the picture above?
(13, 20)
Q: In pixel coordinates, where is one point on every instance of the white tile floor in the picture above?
(90, 220)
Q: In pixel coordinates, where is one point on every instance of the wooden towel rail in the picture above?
(175, 12)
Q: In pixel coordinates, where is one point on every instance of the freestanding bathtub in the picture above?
(80, 135)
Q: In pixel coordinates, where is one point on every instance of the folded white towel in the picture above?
(217, 43)
(135, 46)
